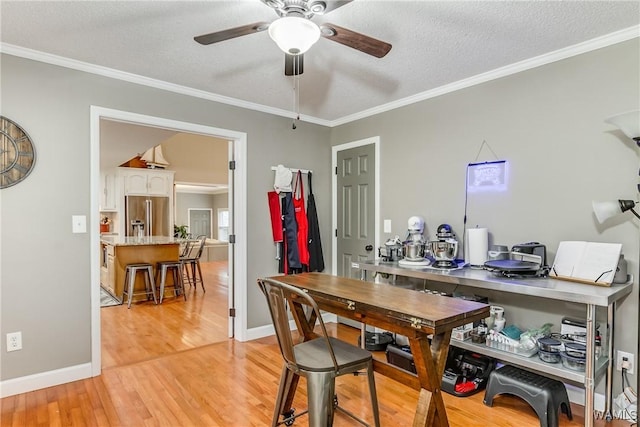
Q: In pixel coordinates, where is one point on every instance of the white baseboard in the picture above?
(44, 379)
(266, 331)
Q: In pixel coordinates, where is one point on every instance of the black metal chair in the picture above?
(319, 360)
(190, 260)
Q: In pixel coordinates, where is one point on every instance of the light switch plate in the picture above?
(79, 224)
(387, 226)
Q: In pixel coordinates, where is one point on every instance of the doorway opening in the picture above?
(236, 265)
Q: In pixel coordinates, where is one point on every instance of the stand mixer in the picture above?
(445, 249)
(414, 246)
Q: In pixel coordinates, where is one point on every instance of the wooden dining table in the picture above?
(426, 320)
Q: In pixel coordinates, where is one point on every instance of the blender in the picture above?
(445, 249)
(414, 247)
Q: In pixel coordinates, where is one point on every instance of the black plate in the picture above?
(512, 265)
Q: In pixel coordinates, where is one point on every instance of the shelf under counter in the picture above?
(533, 363)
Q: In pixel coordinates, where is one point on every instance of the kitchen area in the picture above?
(136, 209)
(141, 202)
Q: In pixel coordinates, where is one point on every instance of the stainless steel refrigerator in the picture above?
(152, 212)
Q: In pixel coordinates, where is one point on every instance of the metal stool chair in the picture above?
(191, 259)
(175, 267)
(545, 395)
(320, 360)
(131, 272)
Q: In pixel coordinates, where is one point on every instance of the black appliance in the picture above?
(466, 373)
(376, 341)
(532, 248)
(525, 260)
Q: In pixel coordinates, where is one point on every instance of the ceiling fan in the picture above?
(295, 33)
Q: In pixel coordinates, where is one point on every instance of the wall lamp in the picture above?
(629, 124)
(606, 210)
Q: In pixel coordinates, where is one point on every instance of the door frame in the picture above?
(237, 194)
(375, 140)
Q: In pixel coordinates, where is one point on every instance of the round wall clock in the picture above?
(17, 155)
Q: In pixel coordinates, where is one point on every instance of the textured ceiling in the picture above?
(435, 43)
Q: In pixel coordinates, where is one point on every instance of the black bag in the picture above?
(290, 235)
(316, 259)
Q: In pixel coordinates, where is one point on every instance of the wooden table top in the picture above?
(430, 313)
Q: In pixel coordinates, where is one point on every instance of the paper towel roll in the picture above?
(478, 243)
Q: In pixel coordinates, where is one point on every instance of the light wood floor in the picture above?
(177, 368)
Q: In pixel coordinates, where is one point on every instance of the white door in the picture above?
(200, 222)
(356, 205)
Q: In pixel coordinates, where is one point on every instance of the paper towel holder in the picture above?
(477, 246)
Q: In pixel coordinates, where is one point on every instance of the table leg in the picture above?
(589, 374)
(430, 361)
(611, 312)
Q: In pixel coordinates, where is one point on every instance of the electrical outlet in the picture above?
(620, 358)
(14, 341)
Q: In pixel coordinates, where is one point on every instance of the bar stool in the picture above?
(191, 260)
(162, 267)
(131, 272)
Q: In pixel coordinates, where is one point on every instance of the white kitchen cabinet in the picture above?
(147, 182)
(107, 268)
(109, 191)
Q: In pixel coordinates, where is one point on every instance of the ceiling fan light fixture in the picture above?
(294, 35)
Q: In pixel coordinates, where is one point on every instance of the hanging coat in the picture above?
(316, 259)
(292, 260)
(276, 215)
(301, 221)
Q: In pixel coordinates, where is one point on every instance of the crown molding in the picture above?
(528, 64)
(61, 61)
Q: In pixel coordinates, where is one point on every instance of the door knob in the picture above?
(368, 248)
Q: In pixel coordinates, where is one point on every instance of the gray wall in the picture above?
(548, 123)
(184, 201)
(50, 304)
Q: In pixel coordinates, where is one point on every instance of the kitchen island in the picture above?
(118, 251)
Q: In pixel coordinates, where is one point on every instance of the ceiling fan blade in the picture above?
(293, 64)
(231, 33)
(357, 41)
